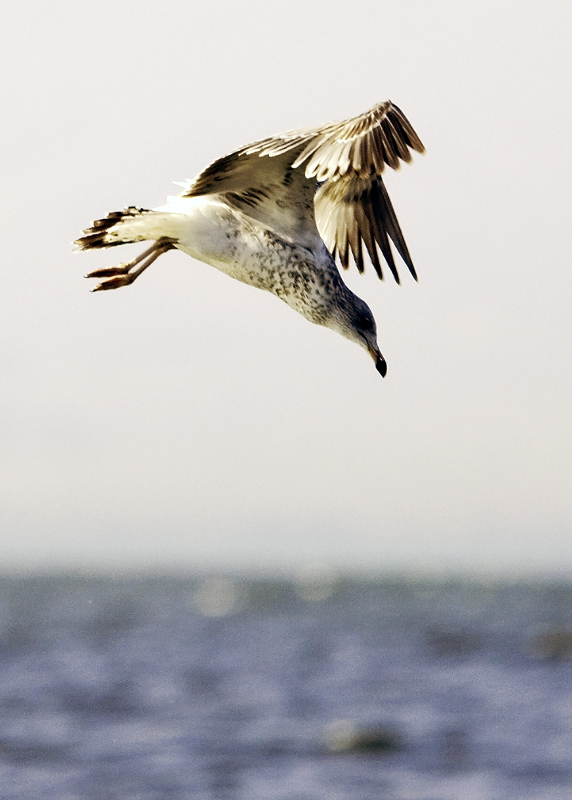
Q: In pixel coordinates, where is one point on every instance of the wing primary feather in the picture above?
(397, 140)
(366, 233)
(377, 152)
(376, 214)
(355, 244)
(392, 225)
(409, 134)
(345, 254)
(392, 154)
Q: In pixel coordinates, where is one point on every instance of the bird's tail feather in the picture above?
(122, 227)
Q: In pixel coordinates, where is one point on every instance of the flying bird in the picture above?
(277, 214)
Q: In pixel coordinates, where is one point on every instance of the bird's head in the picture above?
(355, 321)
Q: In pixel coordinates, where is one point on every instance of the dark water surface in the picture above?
(148, 689)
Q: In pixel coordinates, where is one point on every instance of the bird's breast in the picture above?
(252, 253)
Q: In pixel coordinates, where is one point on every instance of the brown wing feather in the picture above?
(266, 189)
(384, 128)
(275, 180)
(359, 209)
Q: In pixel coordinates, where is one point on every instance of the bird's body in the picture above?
(276, 213)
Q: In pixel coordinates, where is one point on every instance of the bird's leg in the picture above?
(124, 274)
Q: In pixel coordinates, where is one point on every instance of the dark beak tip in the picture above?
(381, 366)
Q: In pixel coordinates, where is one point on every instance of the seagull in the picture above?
(279, 214)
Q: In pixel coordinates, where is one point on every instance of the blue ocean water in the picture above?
(323, 688)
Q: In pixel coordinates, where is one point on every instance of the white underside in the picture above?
(209, 230)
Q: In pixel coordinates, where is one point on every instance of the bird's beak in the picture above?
(380, 362)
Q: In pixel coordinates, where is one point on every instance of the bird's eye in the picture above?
(365, 322)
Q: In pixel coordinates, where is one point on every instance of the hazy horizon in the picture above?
(191, 421)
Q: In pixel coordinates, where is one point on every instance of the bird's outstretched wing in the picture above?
(328, 176)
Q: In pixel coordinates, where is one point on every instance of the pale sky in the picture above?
(189, 420)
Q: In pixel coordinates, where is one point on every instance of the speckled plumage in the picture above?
(276, 214)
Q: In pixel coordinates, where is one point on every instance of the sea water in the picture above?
(322, 688)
